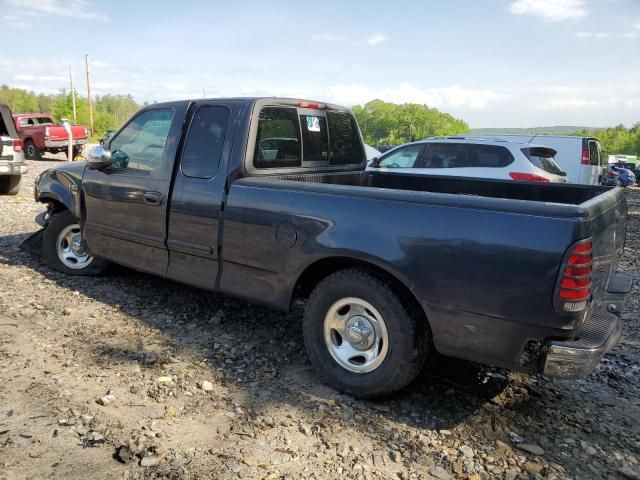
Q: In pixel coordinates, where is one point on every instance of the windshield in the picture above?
(543, 158)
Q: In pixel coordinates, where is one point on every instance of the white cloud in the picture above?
(592, 34)
(453, 96)
(13, 21)
(64, 8)
(24, 76)
(328, 37)
(376, 39)
(637, 26)
(630, 35)
(553, 10)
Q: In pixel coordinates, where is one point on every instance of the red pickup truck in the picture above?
(40, 134)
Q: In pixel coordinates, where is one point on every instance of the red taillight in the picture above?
(47, 132)
(17, 145)
(527, 177)
(585, 157)
(315, 106)
(575, 282)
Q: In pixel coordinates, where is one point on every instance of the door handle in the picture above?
(153, 198)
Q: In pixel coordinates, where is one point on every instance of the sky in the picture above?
(493, 63)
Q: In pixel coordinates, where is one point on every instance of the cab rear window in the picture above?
(291, 137)
(543, 158)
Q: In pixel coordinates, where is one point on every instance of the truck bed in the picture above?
(561, 200)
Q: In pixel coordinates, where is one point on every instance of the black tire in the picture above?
(408, 335)
(58, 222)
(31, 152)
(76, 152)
(10, 184)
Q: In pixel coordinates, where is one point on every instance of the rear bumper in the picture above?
(12, 168)
(578, 358)
(63, 143)
(599, 334)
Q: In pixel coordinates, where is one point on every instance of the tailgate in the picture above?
(57, 133)
(608, 221)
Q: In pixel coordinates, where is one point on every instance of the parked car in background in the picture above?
(622, 177)
(40, 134)
(12, 164)
(580, 157)
(267, 199)
(371, 152)
(477, 157)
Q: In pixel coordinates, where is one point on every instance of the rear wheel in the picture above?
(31, 152)
(10, 184)
(63, 248)
(361, 337)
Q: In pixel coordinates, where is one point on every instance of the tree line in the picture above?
(109, 111)
(381, 123)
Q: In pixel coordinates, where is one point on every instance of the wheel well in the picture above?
(55, 206)
(321, 269)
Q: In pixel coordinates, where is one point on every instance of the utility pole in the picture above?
(73, 95)
(86, 61)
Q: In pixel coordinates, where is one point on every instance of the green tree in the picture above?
(393, 124)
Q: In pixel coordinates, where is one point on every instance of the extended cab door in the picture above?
(198, 195)
(125, 205)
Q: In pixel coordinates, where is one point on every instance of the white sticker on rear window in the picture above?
(313, 124)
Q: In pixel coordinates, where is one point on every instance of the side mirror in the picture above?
(99, 158)
(375, 162)
(563, 174)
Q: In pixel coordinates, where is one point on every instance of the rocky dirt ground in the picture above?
(134, 377)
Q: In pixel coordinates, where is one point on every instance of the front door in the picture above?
(125, 210)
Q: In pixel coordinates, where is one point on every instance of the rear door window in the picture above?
(205, 141)
(488, 156)
(443, 155)
(594, 153)
(543, 158)
(278, 142)
(403, 157)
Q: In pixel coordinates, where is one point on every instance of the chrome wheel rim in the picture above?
(356, 335)
(70, 250)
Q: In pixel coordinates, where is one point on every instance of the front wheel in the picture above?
(63, 248)
(361, 337)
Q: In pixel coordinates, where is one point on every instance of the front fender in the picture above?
(61, 185)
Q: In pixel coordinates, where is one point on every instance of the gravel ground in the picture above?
(131, 376)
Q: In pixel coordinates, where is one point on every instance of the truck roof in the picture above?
(298, 102)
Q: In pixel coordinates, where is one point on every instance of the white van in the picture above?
(579, 157)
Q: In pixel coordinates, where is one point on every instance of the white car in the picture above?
(580, 157)
(478, 158)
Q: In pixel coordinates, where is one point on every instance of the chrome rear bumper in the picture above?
(578, 358)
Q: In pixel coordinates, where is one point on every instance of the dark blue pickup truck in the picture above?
(267, 199)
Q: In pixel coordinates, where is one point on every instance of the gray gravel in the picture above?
(131, 376)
